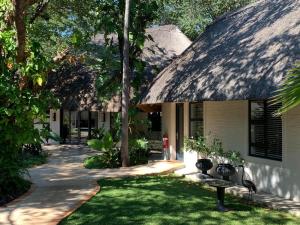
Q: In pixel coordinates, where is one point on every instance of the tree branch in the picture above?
(41, 7)
(61, 55)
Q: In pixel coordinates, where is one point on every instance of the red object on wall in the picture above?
(165, 142)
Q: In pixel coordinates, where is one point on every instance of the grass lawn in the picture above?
(170, 200)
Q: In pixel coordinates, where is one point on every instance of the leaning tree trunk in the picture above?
(125, 89)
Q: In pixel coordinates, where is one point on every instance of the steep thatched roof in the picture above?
(243, 55)
(76, 84)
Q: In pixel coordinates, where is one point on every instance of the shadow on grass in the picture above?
(167, 200)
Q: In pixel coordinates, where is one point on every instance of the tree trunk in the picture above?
(20, 6)
(125, 89)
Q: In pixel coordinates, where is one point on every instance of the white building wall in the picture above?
(54, 125)
(169, 126)
(189, 158)
(228, 121)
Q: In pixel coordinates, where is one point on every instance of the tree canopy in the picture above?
(193, 16)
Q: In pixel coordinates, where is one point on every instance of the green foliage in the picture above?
(108, 159)
(234, 157)
(138, 151)
(110, 23)
(110, 154)
(32, 149)
(106, 142)
(97, 133)
(213, 148)
(193, 16)
(19, 106)
(64, 24)
(289, 94)
(95, 162)
(198, 145)
(29, 160)
(54, 136)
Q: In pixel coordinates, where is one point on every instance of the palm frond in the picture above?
(289, 93)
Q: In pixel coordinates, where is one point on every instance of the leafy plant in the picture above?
(234, 157)
(97, 133)
(198, 145)
(32, 149)
(138, 151)
(217, 149)
(213, 149)
(231, 156)
(193, 20)
(110, 154)
(106, 142)
(289, 93)
(29, 160)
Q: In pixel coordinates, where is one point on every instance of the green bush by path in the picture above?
(162, 200)
(34, 160)
(110, 156)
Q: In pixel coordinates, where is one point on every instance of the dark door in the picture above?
(179, 131)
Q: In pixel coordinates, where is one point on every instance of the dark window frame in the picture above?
(265, 124)
(194, 119)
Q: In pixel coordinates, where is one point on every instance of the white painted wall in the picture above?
(189, 158)
(54, 125)
(228, 120)
(169, 126)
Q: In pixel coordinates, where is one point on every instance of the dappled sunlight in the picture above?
(166, 200)
(62, 184)
(243, 55)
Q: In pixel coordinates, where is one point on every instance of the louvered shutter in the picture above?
(265, 134)
(273, 133)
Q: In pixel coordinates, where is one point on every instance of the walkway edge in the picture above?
(98, 188)
(86, 198)
(21, 197)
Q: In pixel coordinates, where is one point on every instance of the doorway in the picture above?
(77, 126)
(179, 131)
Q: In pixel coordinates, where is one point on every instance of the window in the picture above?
(196, 119)
(155, 119)
(265, 131)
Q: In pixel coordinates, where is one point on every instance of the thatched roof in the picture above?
(75, 84)
(243, 55)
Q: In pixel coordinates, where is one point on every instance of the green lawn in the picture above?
(170, 200)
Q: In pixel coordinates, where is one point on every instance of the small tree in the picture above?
(125, 89)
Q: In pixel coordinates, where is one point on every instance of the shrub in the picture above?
(110, 156)
(199, 145)
(29, 160)
(97, 133)
(213, 149)
(138, 151)
(32, 149)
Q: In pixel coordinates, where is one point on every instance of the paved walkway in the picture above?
(267, 199)
(62, 185)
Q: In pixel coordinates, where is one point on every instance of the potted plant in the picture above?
(199, 145)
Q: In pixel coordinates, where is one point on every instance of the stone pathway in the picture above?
(267, 199)
(62, 185)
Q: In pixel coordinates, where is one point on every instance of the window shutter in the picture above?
(273, 133)
(265, 134)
